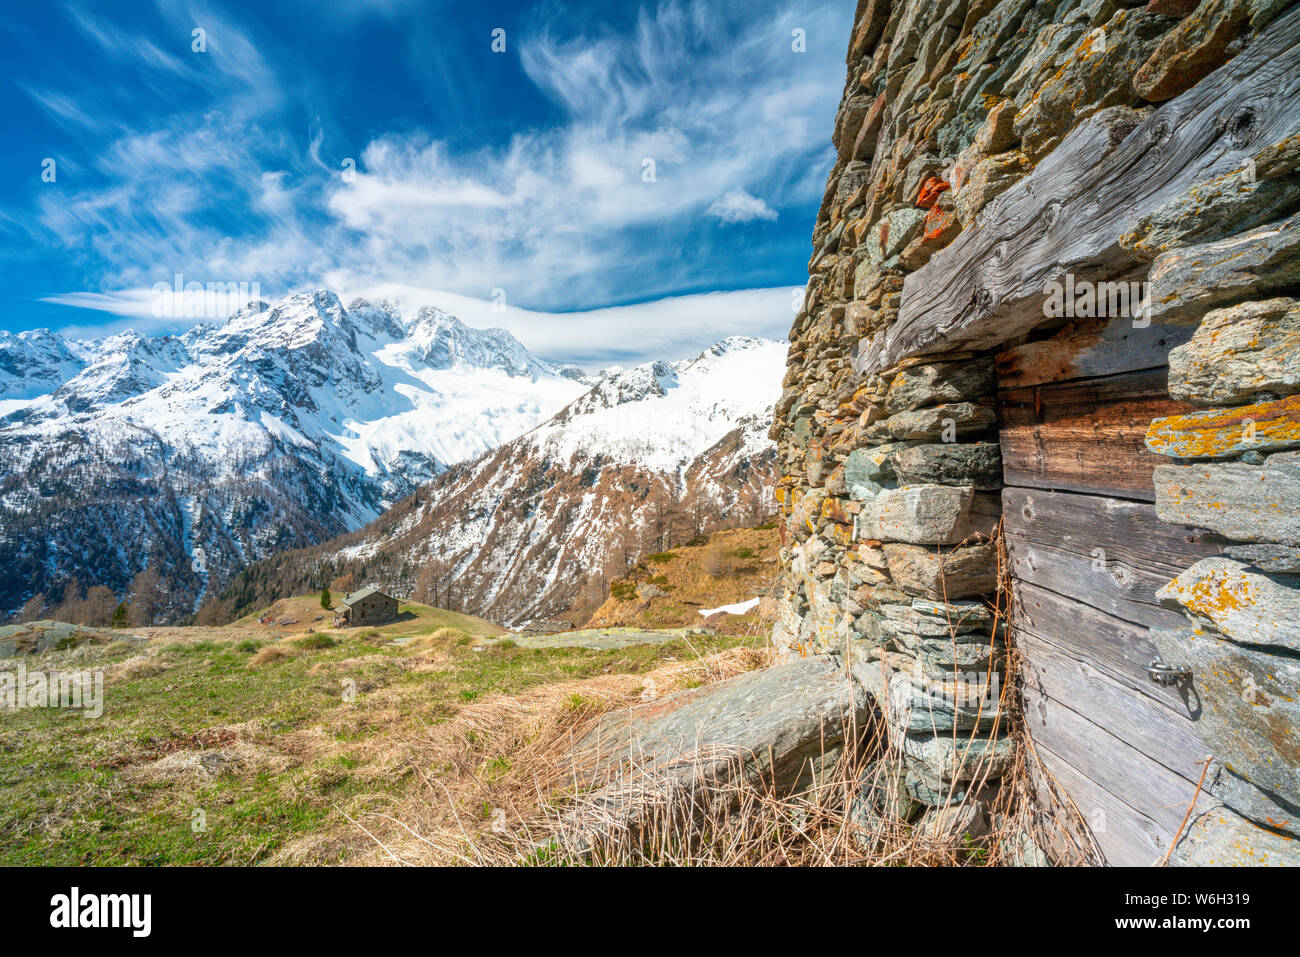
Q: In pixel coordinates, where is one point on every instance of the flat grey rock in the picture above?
(1248, 503)
(928, 515)
(1245, 704)
(1243, 604)
(960, 757)
(949, 422)
(1215, 836)
(773, 727)
(937, 619)
(1239, 353)
(976, 464)
(947, 573)
(1188, 282)
(38, 637)
(1283, 559)
(936, 383)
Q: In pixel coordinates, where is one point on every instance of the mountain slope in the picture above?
(650, 456)
(288, 424)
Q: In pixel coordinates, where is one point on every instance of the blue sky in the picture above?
(517, 174)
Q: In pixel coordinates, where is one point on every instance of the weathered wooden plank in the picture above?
(1085, 436)
(1110, 585)
(1157, 796)
(1167, 737)
(1087, 349)
(1116, 553)
(1120, 649)
(1126, 837)
(987, 286)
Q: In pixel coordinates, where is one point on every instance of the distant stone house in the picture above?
(368, 606)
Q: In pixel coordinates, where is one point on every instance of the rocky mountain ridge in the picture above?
(194, 454)
(650, 457)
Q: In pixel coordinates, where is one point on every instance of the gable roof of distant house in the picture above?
(366, 592)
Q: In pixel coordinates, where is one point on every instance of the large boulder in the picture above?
(773, 728)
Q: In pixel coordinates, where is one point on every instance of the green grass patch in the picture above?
(200, 758)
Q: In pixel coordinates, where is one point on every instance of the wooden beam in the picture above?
(1088, 349)
(1086, 436)
(986, 287)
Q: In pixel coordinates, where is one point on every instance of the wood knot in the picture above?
(1161, 131)
(1241, 126)
(1051, 215)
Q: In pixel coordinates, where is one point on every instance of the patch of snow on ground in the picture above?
(739, 608)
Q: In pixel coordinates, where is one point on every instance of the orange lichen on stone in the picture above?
(1216, 595)
(940, 224)
(931, 190)
(1215, 433)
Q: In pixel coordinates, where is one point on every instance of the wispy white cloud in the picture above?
(697, 118)
(739, 206)
(661, 329)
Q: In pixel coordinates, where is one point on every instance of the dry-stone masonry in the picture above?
(990, 154)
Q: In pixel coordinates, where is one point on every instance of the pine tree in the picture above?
(325, 601)
(120, 616)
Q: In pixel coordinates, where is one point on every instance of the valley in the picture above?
(153, 472)
(420, 741)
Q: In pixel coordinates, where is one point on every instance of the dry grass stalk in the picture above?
(511, 792)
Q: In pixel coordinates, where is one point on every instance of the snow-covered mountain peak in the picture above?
(728, 346)
(381, 319)
(663, 414)
(296, 420)
(36, 361)
(442, 341)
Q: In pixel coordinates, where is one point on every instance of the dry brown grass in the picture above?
(268, 654)
(436, 639)
(139, 666)
(503, 754)
(503, 791)
(730, 566)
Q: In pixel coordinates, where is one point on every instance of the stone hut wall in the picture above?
(1051, 317)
